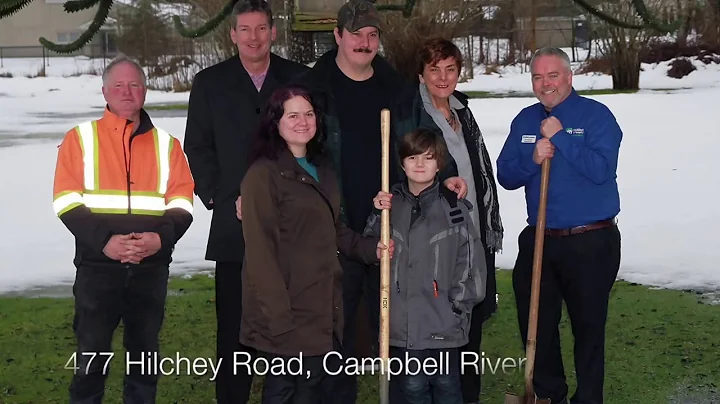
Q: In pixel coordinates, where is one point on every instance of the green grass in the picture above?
(659, 341)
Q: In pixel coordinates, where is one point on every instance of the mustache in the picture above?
(362, 50)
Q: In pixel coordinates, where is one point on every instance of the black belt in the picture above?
(603, 224)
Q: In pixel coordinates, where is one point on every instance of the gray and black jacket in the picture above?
(438, 271)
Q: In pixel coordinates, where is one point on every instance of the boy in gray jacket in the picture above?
(437, 272)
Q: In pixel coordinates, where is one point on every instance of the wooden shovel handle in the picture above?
(384, 343)
(536, 274)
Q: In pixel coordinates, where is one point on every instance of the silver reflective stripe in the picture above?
(444, 234)
(61, 203)
(181, 203)
(164, 140)
(139, 202)
(163, 143)
(397, 235)
(87, 138)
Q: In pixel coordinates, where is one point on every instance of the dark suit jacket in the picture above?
(223, 114)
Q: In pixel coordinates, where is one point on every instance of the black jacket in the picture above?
(412, 115)
(317, 80)
(223, 114)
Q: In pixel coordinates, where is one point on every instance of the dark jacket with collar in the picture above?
(292, 287)
(412, 115)
(224, 112)
(317, 80)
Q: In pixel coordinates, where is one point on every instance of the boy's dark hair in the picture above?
(421, 140)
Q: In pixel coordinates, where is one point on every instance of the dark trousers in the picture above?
(231, 387)
(104, 296)
(358, 281)
(313, 385)
(471, 378)
(580, 269)
(440, 384)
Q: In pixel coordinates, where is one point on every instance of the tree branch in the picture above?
(651, 21)
(72, 6)
(605, 17)
(208, 26)
(104, 7)
(407, 9)
(9, 8)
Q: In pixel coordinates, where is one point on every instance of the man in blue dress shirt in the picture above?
(581, 257)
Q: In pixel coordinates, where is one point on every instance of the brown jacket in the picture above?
(292, 289)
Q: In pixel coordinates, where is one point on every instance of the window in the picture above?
(67, 37)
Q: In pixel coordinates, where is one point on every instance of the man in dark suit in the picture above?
(226, 102)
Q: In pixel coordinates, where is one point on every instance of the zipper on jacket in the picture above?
(127, 155)
(397, 263)
(436, 287)
(469, 255)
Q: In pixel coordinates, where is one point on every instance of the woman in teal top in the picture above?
(291, 279)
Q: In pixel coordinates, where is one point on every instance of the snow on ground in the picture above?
(666, 175)
(49, 106)
(653, 77)
(667, 181)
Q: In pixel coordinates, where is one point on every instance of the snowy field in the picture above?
(666, 175)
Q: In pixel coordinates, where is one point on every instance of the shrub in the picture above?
(708, 57)
(680, 68)
(657, 52)
(596, 65)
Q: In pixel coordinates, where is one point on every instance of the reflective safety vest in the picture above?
(109, 171)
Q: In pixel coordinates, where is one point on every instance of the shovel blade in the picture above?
(515, 399)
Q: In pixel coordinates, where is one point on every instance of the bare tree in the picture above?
(404, 37)
(622, 46)
(708, 21)
(143, 35)
(217, 45)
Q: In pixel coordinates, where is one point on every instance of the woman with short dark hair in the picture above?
(434, 103)
(291, 295)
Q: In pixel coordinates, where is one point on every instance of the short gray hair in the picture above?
(550, 51)
(122, 58)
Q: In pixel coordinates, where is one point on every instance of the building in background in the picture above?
(20, 33)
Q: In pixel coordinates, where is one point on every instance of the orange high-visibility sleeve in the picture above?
(181, 186)
(69, 171)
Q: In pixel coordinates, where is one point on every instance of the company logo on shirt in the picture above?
(575, 131)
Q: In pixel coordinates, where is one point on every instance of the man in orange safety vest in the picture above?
(123, 188)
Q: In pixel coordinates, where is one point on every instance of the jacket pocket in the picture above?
(449, 325)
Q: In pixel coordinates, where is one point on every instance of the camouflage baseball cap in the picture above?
(357, 14)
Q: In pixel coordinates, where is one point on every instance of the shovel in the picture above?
(530, 348)
(385, 264)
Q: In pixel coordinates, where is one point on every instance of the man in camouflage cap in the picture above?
(353, 84)
(357, 14)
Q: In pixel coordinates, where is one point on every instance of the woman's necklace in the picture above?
(451, 120)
